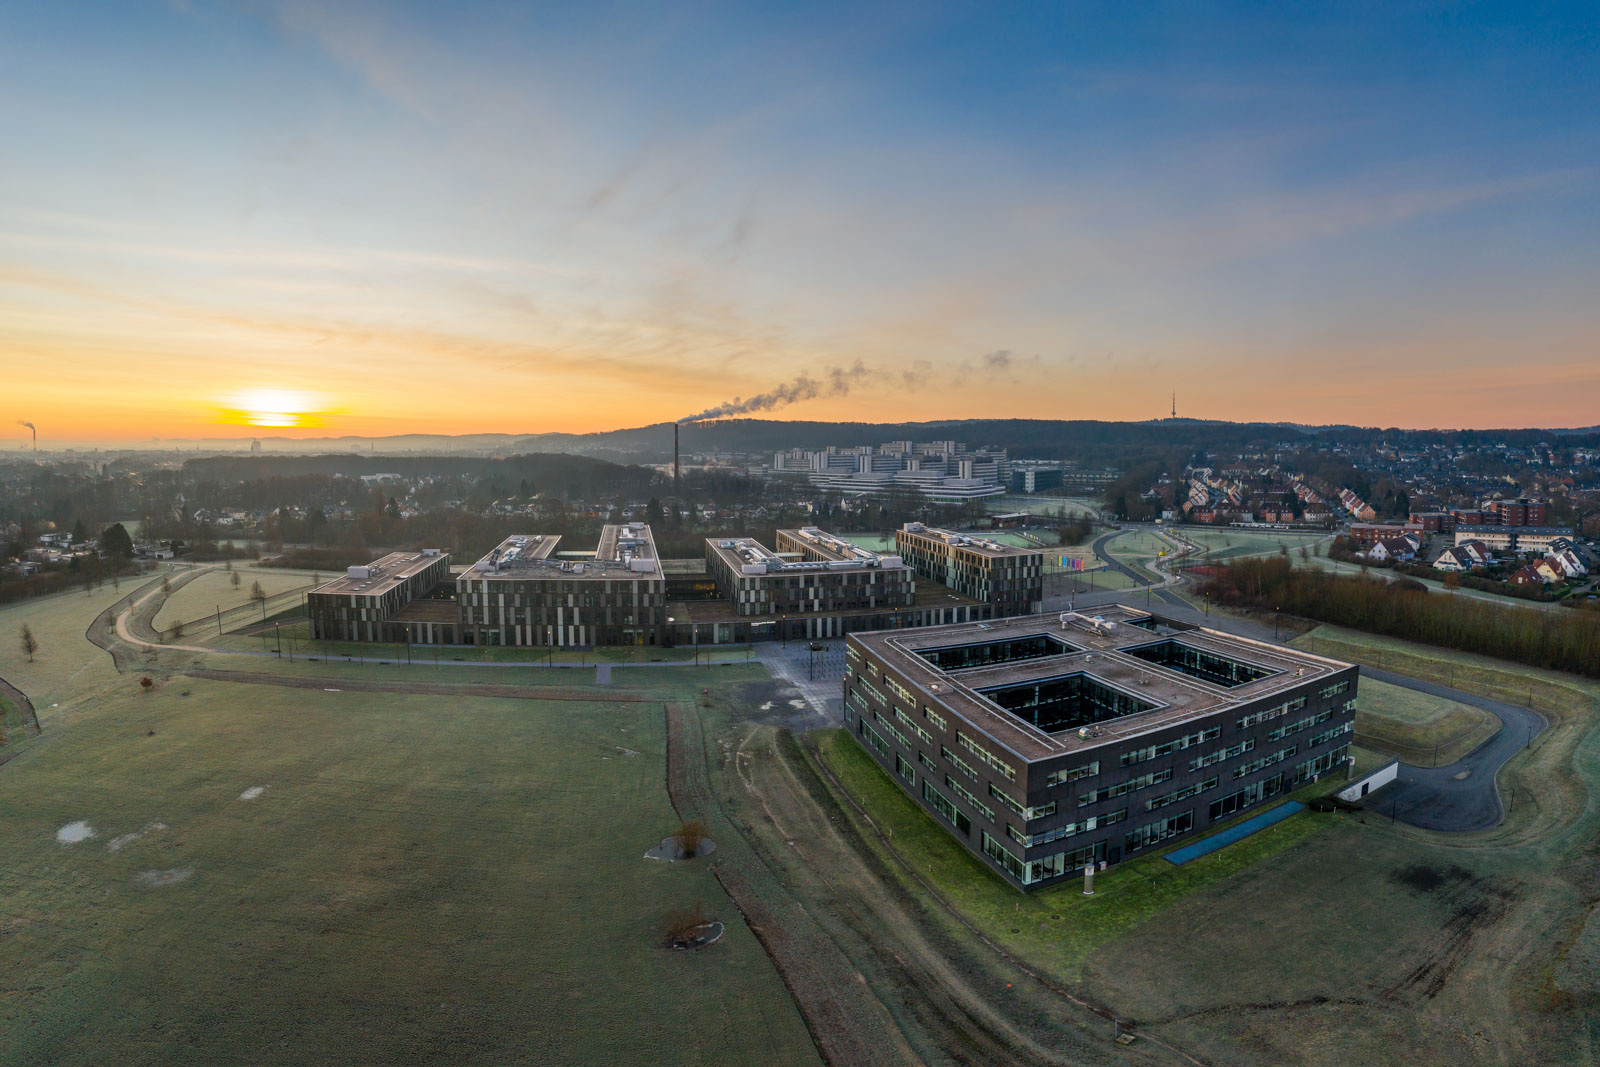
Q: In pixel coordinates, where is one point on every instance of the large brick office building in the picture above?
(1048, 743)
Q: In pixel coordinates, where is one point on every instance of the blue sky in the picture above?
(1379, 213)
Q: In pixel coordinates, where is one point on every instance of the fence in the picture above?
(240, 614)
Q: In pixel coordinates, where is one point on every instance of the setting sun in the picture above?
(270, 407)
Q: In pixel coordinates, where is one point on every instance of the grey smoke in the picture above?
(834, 381)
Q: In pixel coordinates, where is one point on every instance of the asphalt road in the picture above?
(1460, 796)
(1111, 561)
(1457, 798)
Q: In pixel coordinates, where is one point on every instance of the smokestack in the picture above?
(674, 459)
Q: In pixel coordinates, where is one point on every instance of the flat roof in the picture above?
(971, 542)
(625, 550)
(830, 546)
(741, 552)
(704, 612)
(383, 574)
(1099, 647)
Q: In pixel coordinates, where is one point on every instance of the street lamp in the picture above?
(408, 644)
(1277, 615)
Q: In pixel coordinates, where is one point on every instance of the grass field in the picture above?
(196, 601)
(1221, 544)
(1056, 927)
(421, 880)
(1139, 549)
(66, 667)
(1499, 679)
(1419, 728)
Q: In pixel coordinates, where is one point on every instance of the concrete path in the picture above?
(819, 676)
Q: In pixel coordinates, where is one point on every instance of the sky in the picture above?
(306, 219)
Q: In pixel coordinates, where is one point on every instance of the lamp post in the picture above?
(1277, 616)
(408, 644)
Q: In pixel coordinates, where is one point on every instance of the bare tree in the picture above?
(166, 585)
(177, 630)
(683, 925)
(30, 644)
(690, 836)
(1451, 581)
(146, 684)
(233, 579)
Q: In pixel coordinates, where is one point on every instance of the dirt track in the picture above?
(881, 976)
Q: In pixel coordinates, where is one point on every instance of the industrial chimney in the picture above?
(674, 459)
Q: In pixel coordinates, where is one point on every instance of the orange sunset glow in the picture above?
(377, 232)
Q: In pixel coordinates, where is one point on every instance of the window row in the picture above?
(1192, 790)
(1227, 805)
(1028, 814)
(1057, 833)
(977, 805)
(1267, 714)
(1177, 744)
(1329, 735)
(1265, 761)
(988, 757)
(1144, 781)
(1302, 724)
(1247, 745)
(1072, 774)
(1160, 830)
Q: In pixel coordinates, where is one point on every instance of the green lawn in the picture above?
(1056, 927)
(423, 879)
(196, 603)
(1417, 727)
(1140, 549)
(66, 667)
(1499, 679)
(1221, 544)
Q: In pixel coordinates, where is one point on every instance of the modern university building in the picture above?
(1048, 743)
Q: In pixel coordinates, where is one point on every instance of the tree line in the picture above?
(1556, 640)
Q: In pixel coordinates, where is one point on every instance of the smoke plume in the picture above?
(834, 381)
